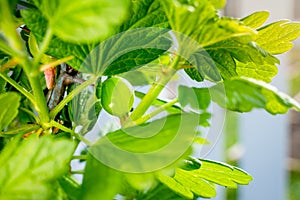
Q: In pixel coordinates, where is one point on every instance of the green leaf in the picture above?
(222, 174)
(8, 26)
(264, 72)
(28, 167)
(85, 108)
(70, 186)
(196, 98)
(10, 103)
(191, 164)
(198, 186)
(202, 18)
(161, 142)
(244, 94)
(257, 19)
(100, 181)
(205, 66)
(37, 24)
(194, 74)
(118, 54)
(145, 13)
(79, 21)
(135, 58)
(241, 59)
(276, 37)
(175, 186)
(128, 50)
(199, 179)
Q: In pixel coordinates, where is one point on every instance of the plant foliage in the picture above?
(64, 63)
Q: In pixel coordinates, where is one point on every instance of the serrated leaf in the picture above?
(79, 21)
(132, 59)
(126, 51)
(200, 179)
(202, 18)
(145, 13)
(175, 186)
(257, 19)
(264, 72)
(57, 48)
(10, 103)
(118, 54)
(239, 56)
(196, 98)
(204, 66)
(276, 37)
(222, 174)
(198, 186)
(28, 167)
(194, 74)
(100, 181)
(244, 94)
(229, 58)
(161, 142)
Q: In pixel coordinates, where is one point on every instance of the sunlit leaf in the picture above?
(80, 21)
(202, 18)
(276, 38)
(257, 19)
(200, 177)
(161, 142)
(244, 94)
(175, 186)
(28, 167)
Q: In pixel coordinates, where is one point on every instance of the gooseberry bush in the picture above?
(65, 63)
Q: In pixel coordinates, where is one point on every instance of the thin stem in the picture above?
(61, 127)
(70, 96)
(80, 157)
(152, 114)
(20, 130)
(43, 47)
(22, 90)
(154, 91)
(40, 102)
(56, 63)
(77, 172)
(67, 130)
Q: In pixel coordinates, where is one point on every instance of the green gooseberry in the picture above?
(117, 96)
